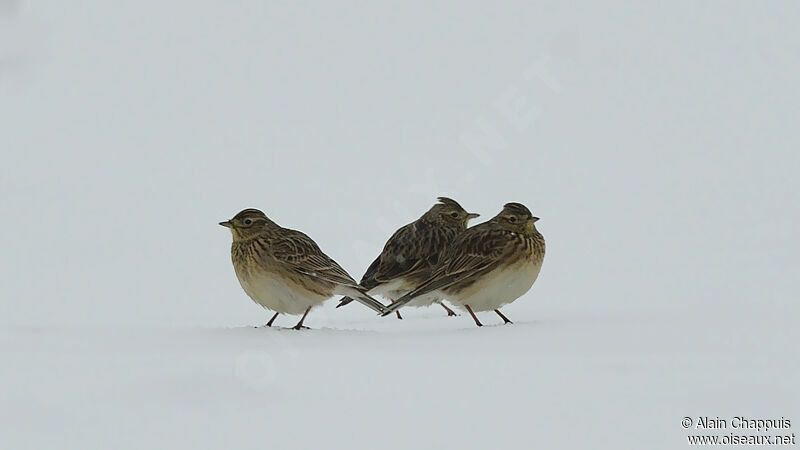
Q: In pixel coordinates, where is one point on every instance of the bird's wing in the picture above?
(303, 255)
(412, 250)
(477, 251)
(387, 266)
(369, 280)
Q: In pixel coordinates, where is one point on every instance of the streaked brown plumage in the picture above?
(284, 270)
(413, 251)
(489, 265)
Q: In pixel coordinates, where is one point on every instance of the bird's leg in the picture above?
(450, 312)
(398, 315)
(269, 324)
(505, 319)
(299, 325)
(477, 322)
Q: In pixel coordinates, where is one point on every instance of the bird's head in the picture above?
(449, 212)
(516, 217)
(248, 224)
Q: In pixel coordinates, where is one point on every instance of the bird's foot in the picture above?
(474, 317)
(502, 316)
(450, 312)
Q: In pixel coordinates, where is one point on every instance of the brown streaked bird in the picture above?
(284, 270)
(413, 251)
(489, 265)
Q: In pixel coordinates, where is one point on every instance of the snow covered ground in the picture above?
(577, 381)
(573, 381)
(658, 144)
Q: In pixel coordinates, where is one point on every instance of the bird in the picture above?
(284, 270)
(487, 266)
(413, 251)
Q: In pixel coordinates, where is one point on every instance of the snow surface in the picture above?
(658, 144)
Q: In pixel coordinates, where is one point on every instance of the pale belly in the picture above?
(398, 288)
(497, 288)
(278, 295)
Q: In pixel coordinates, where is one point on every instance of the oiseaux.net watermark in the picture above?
(739, 430)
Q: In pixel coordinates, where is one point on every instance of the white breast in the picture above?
(499, 287)
(272, 292)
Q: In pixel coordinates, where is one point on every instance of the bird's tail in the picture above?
(344, 301)
(399, 303)
(360, 295)
(432, 284)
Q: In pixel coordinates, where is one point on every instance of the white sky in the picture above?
(658, 145)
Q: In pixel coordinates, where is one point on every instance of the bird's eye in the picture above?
(454, 215)
(512, 219)
(248, 222)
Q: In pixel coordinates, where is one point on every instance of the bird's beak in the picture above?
(534, 219)
(472, 216)
(226, 224)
